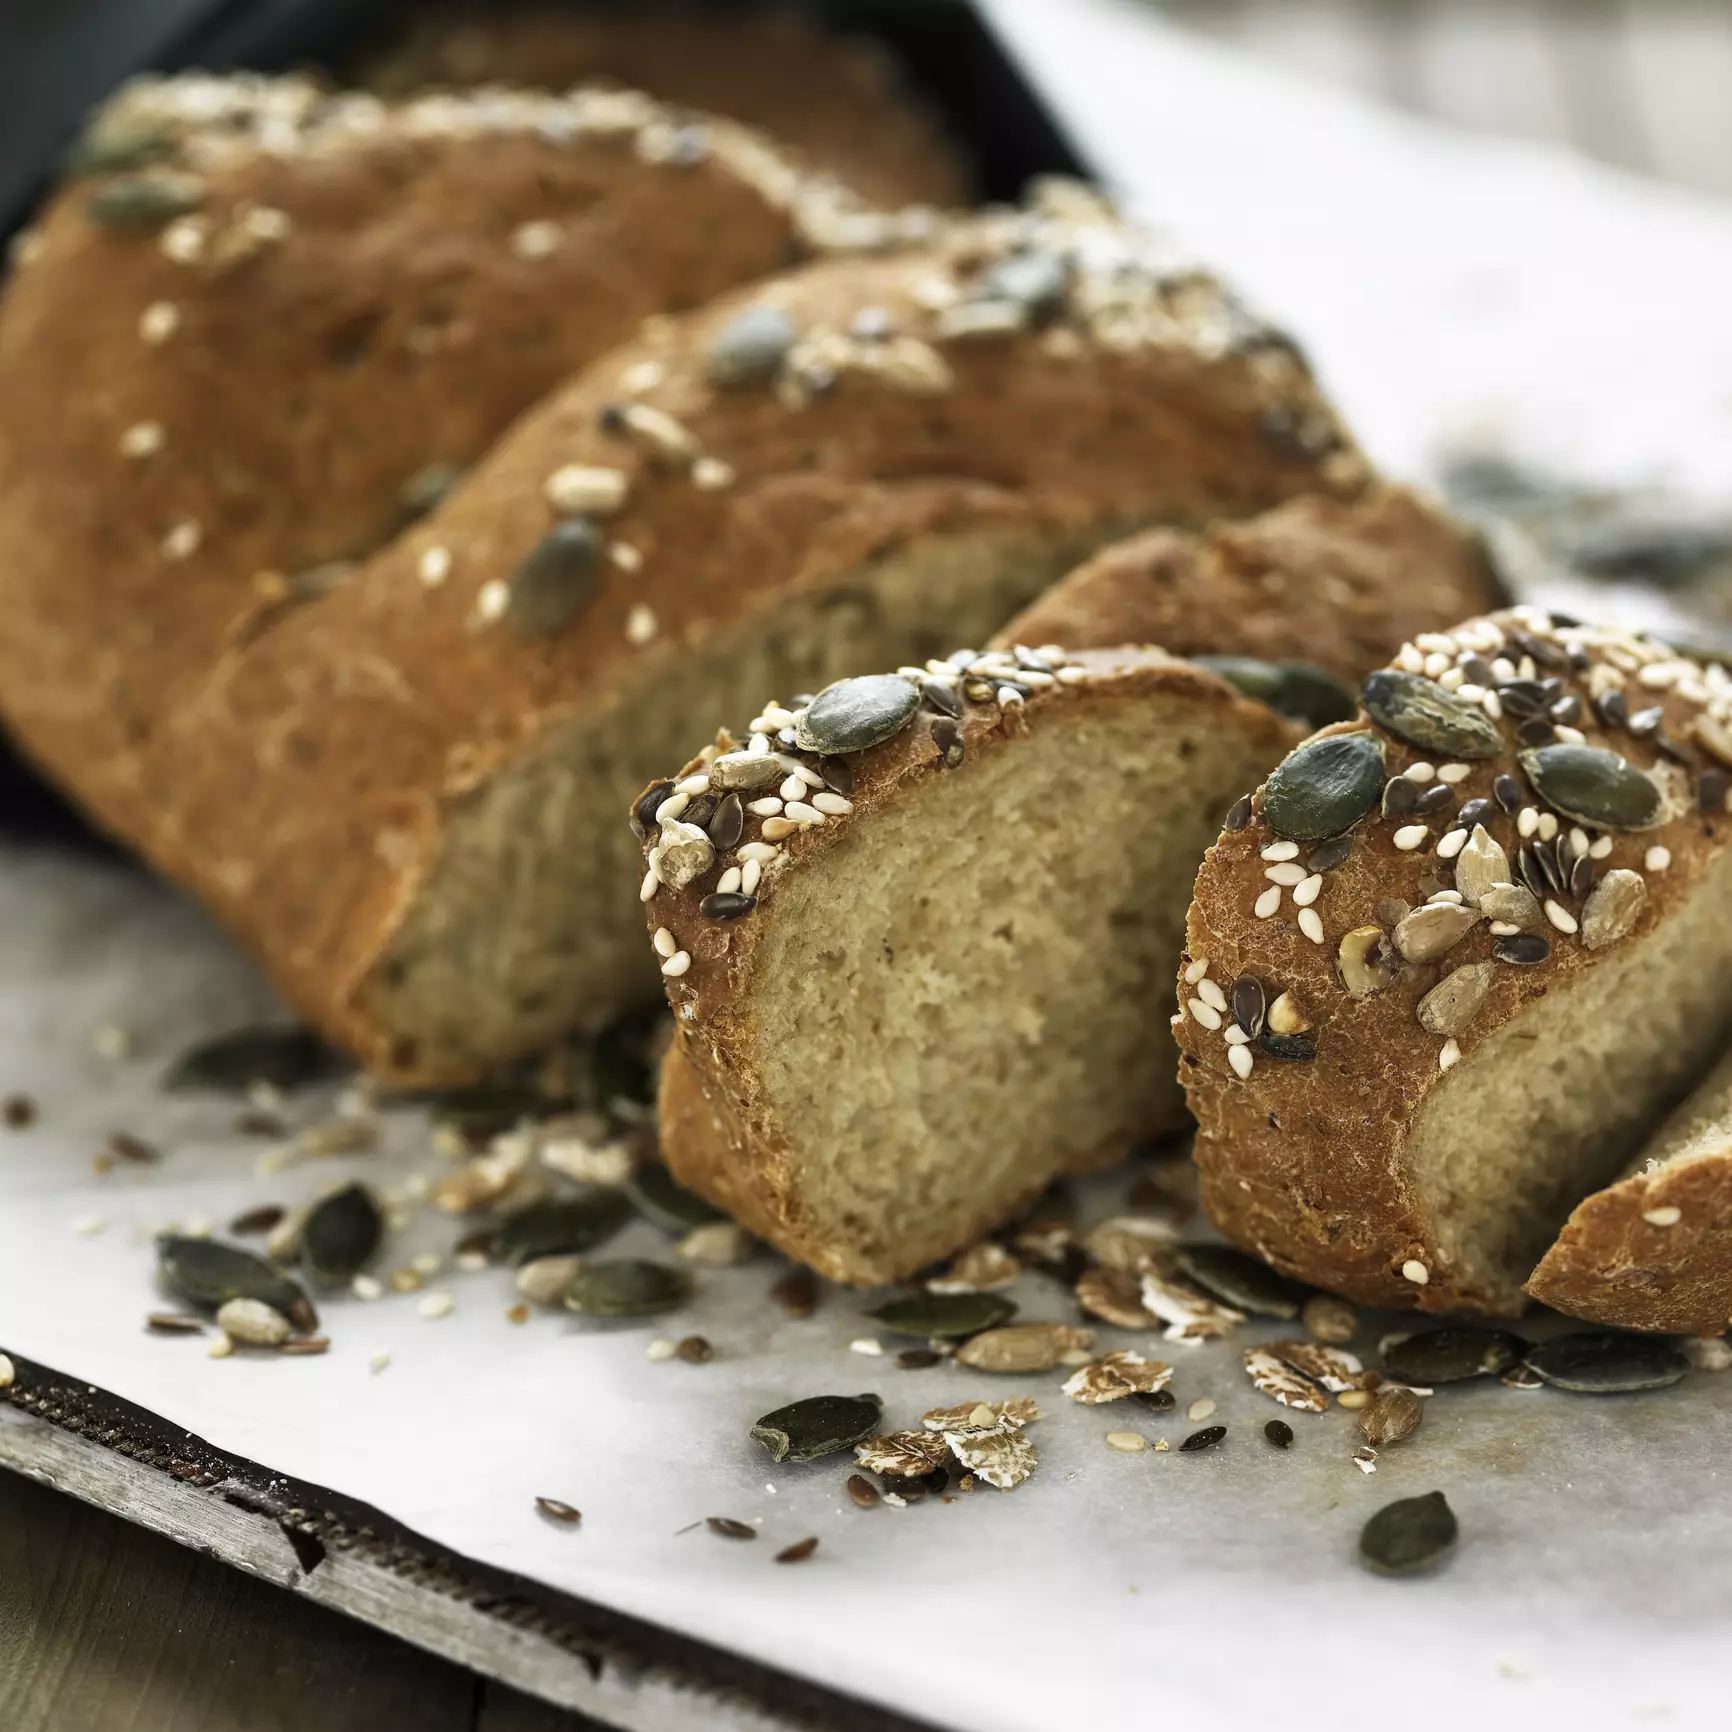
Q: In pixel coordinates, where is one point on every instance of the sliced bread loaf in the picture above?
(392, 761)
(1654, 1249)
(929, 971)
(1473, 945)
(1337, 584)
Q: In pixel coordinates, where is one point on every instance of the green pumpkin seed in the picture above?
(561, 1227)
(120, 142)
(208, 1273)
(751, 346)
(341, 1234)
(142, 203)
(1593, 787)
(660, 1198)
(1325, 787)
(1605, 1362)
(819, 1425)
(1240, 1280)
(1435, 1356)
(628, 1287)
(949, 1316)
(1408, 1535)
(853, 714)
(1423, 714)
(555, 579)
(1295, 689)
(285, 1058)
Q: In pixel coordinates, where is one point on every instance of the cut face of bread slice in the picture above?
(1654, 1250)
(1335, 584)
(903, 1009)
(1493, 914)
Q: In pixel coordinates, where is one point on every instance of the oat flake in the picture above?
(1116, 1375)
(1273, 1377)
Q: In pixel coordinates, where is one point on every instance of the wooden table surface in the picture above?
(107, 1628)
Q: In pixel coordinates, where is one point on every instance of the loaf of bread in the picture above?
(1654, 1249)
(391, 759)
(835, 100)
(1456, 958)
(918, 940)
(1337, 584)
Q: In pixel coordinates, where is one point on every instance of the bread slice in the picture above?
(1479, 944)
(910, 996)
(1337, 584)
(835, 100)
(393, 766)
(1654, 1249)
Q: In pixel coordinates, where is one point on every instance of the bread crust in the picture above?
(1338, 583)
(299, 753)
(720, 1134)
(1304, 1163)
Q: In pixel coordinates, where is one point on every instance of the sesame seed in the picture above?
(1578, 841)
(836, 805)
(1548, 826)
(183, 241)
(1409, 837)
(1450, 1055)
(640, 626)
(1267, 903)
(433, 1306)
(712, 474)
(1453, 897)
(758, 853)
(1008, 697)
(1353, 1399)
(1280, 851)
(221, 1347)
(1409, 660)
(493, 600)
(779, 829)
(142, 439)
(1657, 859)
(625, 556)
(158, 322)
(693, 786)
(536, 240)
(1232, 1034)
(1560, 916)
(803, 813)
(1127, 1442)
(379, 1361)
(647, 889)
(1570, 736)
(794, 788)
(1420, 772)
(586, 489)
(88, 1226)
(1503, 929)
(1311, 925)
(729, 882)
(660, 1351)
(768, 807)
(1196, 971)
(1415, 1271)
(1668, 1216)
(677, 964)
(1600, 848)
(1527, 820)
(1200, 1408)
(181, 542)
(869, 1345)
(1492, 704)
(1436, 643)
(1239, 1057)
(750, 873)
(367, 1288)
(1452, 679)
(434, 566)
(1211, 994)
(1287, 873)
(1206, 1014)
(1308, 890)
(642, 376)
(665, 942)
(1452, 773)
(1451, 843)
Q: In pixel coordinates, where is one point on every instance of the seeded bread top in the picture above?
(1518, 797)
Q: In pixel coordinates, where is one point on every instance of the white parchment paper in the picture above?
(1439, 282)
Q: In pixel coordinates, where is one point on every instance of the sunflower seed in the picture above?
(1606, 1362)
(561, 1226)
(1452, 1355)
(556, 1511)
(1240, 1280)
(1513, 904)
(285, 1058)
(1248, 1003)
(662, 1200)
(1523, 949)
(547, 1280)
(948, 1316)
(1207, 1438)
(819, 1425)
(1613, 909)
(1325, 787)
(1408, 1535)
(852, 715)
(1394, 1414)
(1433, 930)
(627, 1287)
(1593, 787)
(1422, 713)
(1451, 1006)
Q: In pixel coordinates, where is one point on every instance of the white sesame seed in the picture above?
(1560, 916)
(8, 1372)
(1548, 826)
(367, 1288)
(804, 771)
(836, 805)
(661, 1350)
(111, 1040)
(1308, 890)
(1280, 851)
(492, 601)
(1196, 970)
(768, 807)
(1311, 925)
(1468, 692)
(775, 718)
(1126, 1442)
(651, 883)
(712, 474)
(869, 1345)
(434, 566)
(1503, 929)
(1239, 1057)
(1450, 1055)
(1527, 820)
(757, 853)
(1452, 679)
(1206, 1014)
(802, 812)
(750, 873)
(1415, 1271)
(677, 964)
(1267, 903)
(1409, 837)
(778, 829)
(141, 439)
(88, 1226)
(435, 1305)
(794, 788)
(221, 1347)
(1200, 1408)
(729, 882)
(158, 322)
(586, 489)
(183, 241)
(1436, 643)
(692, 786)
(265, 223)
(1009, 697)
(1232, 1034)
(673, 805)
(1657, 859)
(625, 556)
(1570, 736)
(1668, 1216)
(379, 1361)
(1452, 773)
(640, 626)
(1209, 992)
(1409, 660)
(1492, 704)
(1287, 874)
(642, 376)
(665, 942)
(536, 240)
(1451, 843)
(1599, 848)
(1503, 670)
(181, 542)
(1578, 841)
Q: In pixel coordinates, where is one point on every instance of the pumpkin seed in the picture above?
(115, 141)
(1325, 787)
(749, 347)
(663, 1200)
(1593, 787)
(1279, 1433)
(1408, 1535)
(819, 1425)
(627, 1287)
(1423, 714)
(554, 579)
(1020, 1348)
(341, 1233)
(948, 1316)
(1207, 1438)
(142, 203)
(208, 1273)
(1240, 1280)
(853, 714)
(561, 1226)
(1452, 1355)
(285, 1058)
(1295, 689)
(1606, 1362)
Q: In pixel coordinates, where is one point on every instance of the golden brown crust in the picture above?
(296, 753)
(1302, 1162)
(1340, 584)
(832, 99)
(720, 1135)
